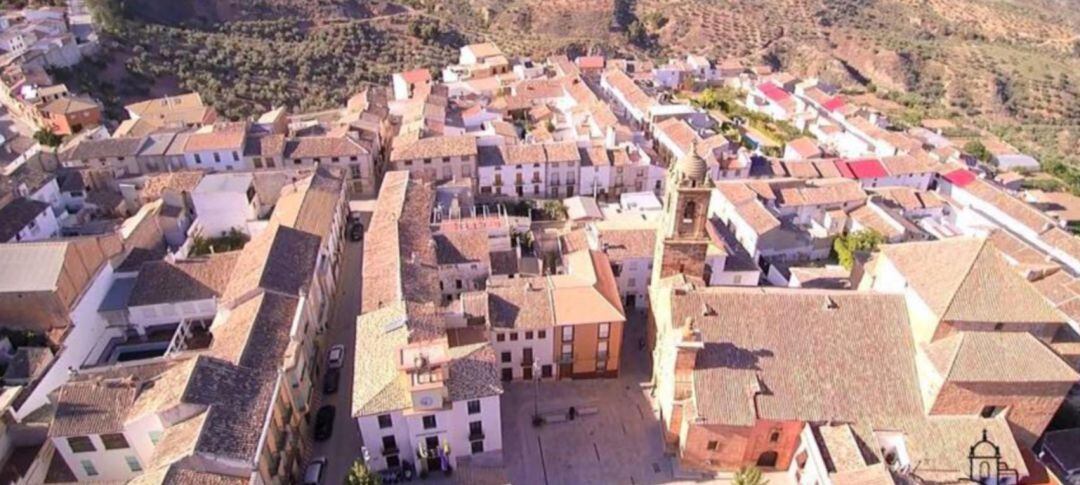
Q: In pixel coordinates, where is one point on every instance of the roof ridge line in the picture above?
(967, 274)
(955, 354)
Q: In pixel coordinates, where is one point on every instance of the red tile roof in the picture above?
(834, 104)
(773, 92)
(590, 62)
(960, 177)
(416, 76)
(862, 169)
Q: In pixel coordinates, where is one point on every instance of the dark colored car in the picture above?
(330, 381)
(324, 423)
(356, 231)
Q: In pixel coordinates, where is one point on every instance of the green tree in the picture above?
(107, 14)
(554, 210)
(847, 245)
(637, 34)
(708, 99)
(47, 138)
(360, 475)
(749, 476)
(976, 149)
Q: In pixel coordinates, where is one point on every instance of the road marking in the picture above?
(542, 464)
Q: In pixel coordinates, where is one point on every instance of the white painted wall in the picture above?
(217, 212)
(452, 426)
(87, 325)
(226, 160)
(44, 226)
(146, 315)
(543, 349)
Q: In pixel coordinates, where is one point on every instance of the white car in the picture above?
(313, 475)
(336, 356)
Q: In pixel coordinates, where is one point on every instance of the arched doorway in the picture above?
(768, 459)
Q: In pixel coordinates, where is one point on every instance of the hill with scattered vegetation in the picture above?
(1008, 66)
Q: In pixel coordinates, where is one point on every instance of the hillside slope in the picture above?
(1009, 65)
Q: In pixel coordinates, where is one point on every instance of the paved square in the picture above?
(620, 443)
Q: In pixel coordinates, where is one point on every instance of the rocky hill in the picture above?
(1009, 65)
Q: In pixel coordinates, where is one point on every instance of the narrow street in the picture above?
(343, 447)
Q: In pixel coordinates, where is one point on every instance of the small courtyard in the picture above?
(614, 439)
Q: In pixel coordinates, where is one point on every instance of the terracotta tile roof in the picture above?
(193, 279)
(862, 169)
(524, 154)
(520, 303)
(435, 147)
(590, 62)
(907, 198)
(185, 108)
(107, 148)
(630, 91)
(156, 185)
(827, 169)
(806, 147)
(399, 255)
(175, 475)
(867, 217)
(279, 259)
(594, 156)
(378, 385)
(744, 199)
(1019, 252)
(256, 333)
(831, 193)
(621, 245)
(801, 170)
(99, 402)
(323, 147)
(755, 363)
(223, 137)
(587, 293)
(966, 279)
(905, 165)
(461, 247)
(270, 146)
(562, 152)
(1007, 357)
(311, 204)
(474, 372)
(482, 50)
(1063, 241)
(679, 132)
(70, 104)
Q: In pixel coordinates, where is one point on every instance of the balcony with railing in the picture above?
(476, 435)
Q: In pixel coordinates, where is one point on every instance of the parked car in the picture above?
(324, 423)
(330, 381)
(315, 470)
(336, 357)
(356, 232)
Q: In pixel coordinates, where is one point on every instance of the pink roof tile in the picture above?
(773, 92)
(834, 104)
(864, 169)
(960, 177)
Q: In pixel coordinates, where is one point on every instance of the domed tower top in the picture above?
(692, 170)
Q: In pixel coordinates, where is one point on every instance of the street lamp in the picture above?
(536, 393)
